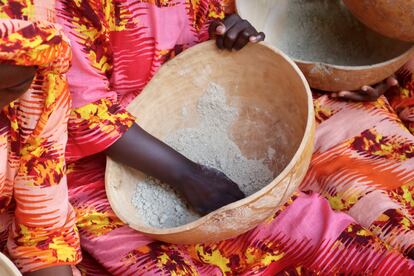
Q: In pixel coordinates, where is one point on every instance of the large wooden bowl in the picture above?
(391, 18)
(7, 268)
(275, 109)
(365, 64)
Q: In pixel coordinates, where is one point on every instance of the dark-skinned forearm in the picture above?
(141, 151)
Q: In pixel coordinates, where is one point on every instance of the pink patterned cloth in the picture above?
(118, 46)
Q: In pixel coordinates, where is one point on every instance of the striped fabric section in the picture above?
(36, 217)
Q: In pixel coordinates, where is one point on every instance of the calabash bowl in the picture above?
(275, 109)
(332, 48)
(394, 19)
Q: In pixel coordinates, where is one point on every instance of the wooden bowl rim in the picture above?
(344, 67)
(209, 46)
(9, 264)
(359, 67)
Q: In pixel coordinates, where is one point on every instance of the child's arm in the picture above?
(205, 189)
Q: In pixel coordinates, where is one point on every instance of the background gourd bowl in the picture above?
(393, 18)
(275, 109)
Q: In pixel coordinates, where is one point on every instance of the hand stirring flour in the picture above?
(208, 144)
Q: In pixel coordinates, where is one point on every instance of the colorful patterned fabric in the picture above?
(304, 237)
(36, 218)
(366, 169)
(363, 169)
(108, 38)
(402, 99)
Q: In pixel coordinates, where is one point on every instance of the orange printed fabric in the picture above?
(107, 73)
(402, 98)
(229, 6)
(37, 223)
(363, 163)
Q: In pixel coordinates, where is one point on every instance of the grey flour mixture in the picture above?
(209, 144)
(325, 31)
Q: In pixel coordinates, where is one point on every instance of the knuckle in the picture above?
(246, 34)
(232, 36)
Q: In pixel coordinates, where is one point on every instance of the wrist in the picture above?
(184, 176)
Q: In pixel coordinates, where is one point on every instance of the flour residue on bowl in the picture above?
(325, 31)
(209, 144)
